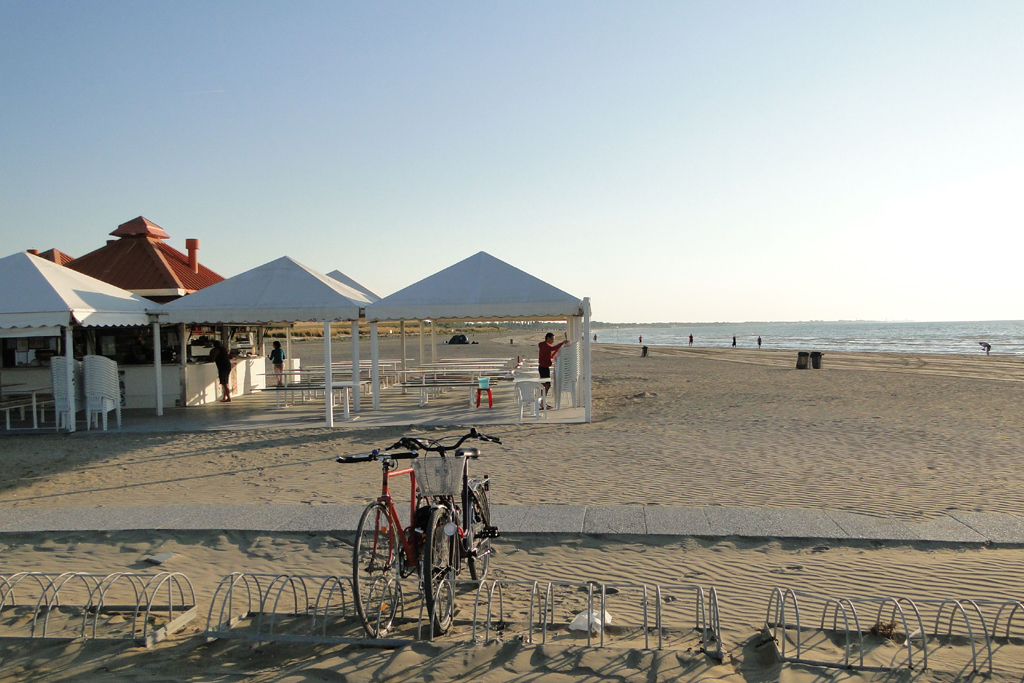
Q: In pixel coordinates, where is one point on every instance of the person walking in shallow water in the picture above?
(759, 342)
(734, 341)
(691, 340)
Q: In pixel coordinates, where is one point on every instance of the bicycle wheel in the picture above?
(375, 567)
(479, 565)
(439, 557)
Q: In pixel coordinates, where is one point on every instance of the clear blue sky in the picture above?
(673, 161)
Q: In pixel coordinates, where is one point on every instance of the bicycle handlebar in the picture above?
(376, 455)
(414, 446)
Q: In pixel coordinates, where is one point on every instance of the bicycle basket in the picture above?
(437, 476)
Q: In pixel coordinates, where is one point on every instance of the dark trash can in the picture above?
(816, 359)
(643, 352)
(801, 360)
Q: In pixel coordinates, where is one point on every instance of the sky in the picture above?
(676, 161)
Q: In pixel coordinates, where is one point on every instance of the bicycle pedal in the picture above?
(490, 532)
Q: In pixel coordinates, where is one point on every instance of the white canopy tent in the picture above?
(41, 298)
(346, 280)
(482, 288)
(280, 292)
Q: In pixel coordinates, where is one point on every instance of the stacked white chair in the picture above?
(102, 392)
(59, 377)
(567, 374)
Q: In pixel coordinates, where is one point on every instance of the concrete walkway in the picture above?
(707, 522)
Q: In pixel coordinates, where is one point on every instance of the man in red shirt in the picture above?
(548, 351)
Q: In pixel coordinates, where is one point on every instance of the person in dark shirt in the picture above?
(219, 355)
(548, 350)
(277, 360)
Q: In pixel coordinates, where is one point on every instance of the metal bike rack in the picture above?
(118, 594)
(264, 599)
(706, 611)
(784, 614)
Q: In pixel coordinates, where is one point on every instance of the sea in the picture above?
(1005, 336)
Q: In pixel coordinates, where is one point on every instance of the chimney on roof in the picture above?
(34, 252)
(192, 245)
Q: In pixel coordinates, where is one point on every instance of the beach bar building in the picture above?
(483, 288)
(279, 293)
(48, 310)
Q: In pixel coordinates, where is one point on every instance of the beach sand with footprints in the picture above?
(911, 437)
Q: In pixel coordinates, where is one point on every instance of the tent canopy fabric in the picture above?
(39, 293)
(282, 291)
(346, 280)
(477, 288)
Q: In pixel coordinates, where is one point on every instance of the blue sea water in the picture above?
(1005, 336)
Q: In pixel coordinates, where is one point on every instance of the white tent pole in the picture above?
(328, 375)
(586, 359)
(69, 369)
(157, 360)
(355, 365)
(421, 359)
(401, 331)
(374, 367)
(433, 344)
(288, 352)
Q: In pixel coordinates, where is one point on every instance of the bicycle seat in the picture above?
(467, 452)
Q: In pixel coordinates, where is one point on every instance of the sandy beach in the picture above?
(914, 437)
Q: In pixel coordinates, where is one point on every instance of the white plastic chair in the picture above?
(531, 394)
(102, 391)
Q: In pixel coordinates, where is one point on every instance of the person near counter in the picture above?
(219, 355)
(277, 360)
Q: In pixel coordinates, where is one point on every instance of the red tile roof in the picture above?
(140, 260)
(57, 256)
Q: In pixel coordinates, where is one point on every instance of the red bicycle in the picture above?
(449, 521)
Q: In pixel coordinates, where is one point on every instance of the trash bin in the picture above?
(801, 360)
(816, 359)
(643, 352)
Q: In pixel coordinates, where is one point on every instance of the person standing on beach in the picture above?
(691, 340)
(548, 350)
(641, 339)
(759, 342)
(219, 355)
(277, 360)
(734, 341)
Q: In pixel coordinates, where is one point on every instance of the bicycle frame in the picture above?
(411, 551)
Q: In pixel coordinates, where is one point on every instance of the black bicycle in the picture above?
(450, 521)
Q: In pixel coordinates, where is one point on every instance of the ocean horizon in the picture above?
(955, 337)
